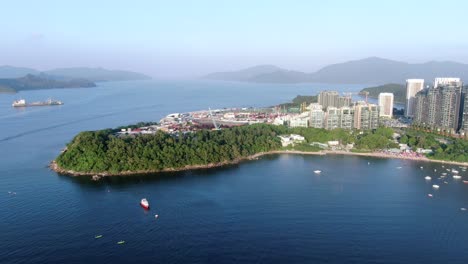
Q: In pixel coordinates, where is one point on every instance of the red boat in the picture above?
(465, 182)
(144, 203)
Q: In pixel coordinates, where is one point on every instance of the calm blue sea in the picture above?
(273, 210)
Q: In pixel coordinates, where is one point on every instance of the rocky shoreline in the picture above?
(96, 176)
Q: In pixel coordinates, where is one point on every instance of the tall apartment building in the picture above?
(333, 98)
(317, 116)
(386, 104)
(413, 86)
(344, 101)
(346, 117)
(366, 116)
(464, 112)
(450, 106)
(332, 118)
(447, 81)
(328, 98)
(440, 107)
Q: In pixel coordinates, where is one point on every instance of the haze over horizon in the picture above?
(181, 40)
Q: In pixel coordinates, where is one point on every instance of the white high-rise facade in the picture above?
(386, 104)
(447, 81)
(413, 86)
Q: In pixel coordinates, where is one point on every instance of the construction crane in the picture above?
(216, 127)
(366, 93)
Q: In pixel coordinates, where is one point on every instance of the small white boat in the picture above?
(456, 176)
(463, 209)
(435, 169)
(444, 173)
(427, 177)
(144, 203)
(435, 186)
(465, 182)
(445, 182)
(317, 171)
(421, 167)
(454, 171)
(398, 167)
(156, 216)
(430, 195)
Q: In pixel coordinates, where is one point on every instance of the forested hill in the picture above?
(36, 82)
(398, 90)
(104, 152)
(299, 99)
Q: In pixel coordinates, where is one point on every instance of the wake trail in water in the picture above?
(25, 133)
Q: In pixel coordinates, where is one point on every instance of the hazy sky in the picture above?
(187, 38)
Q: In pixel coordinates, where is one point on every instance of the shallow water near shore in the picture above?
(271, 210)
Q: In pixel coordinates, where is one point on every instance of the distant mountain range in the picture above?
(91, 74)
(366, 71)
(41, 81)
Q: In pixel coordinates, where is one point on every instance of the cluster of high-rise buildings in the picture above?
(440, 107)
(335, 111)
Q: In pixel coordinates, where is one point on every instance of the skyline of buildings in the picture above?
(339, 113)
(441, 107)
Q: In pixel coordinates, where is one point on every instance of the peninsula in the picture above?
(183, 142)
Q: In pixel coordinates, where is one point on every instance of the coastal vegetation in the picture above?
(398, 90)
(105, 151)
(443, 147)
(300, 99)
(35, 82)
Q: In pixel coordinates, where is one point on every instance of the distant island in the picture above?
(90, 74)
(36, 82)
(376, 71)
(398, 90)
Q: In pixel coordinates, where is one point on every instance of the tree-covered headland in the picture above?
(104, 151)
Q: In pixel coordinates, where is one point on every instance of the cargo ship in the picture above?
(23, 103)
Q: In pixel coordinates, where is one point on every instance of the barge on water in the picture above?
(23, 103)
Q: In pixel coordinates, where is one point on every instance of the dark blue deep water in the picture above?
(272, 210)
